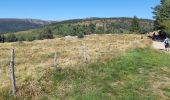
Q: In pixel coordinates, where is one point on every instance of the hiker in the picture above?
(153, 37)
(166, 43)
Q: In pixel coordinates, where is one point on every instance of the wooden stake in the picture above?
(97, 52)
(84, 54)
(55, 60)
(110, 47)
(12, 71)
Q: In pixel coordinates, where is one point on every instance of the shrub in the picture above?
(21, 38)
(46, 34)
(11, 38)
(31, 38)
(81, 35)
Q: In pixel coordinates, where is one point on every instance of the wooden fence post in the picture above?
(110, 47)
(55, 60)
(117, 44)
(12, 71)
(84, 54)
(97, 53)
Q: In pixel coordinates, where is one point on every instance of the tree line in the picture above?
(80, 29)
(44, 34)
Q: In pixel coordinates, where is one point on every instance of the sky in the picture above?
(73, 9)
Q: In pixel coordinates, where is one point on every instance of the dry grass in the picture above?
(34, 59)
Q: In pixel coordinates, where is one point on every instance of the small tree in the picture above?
(21, 38)
(3, 38)
(92, 28)
(31, 38)
(11, 38)
(135, 27)
(46, 34)
(81, 35)
(0, 38)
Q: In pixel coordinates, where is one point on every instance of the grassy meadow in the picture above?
(119, 67)
(140, 74)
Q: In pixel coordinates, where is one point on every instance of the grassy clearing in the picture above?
(141, 74)
(34, 74)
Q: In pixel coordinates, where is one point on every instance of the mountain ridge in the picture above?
(16, 24)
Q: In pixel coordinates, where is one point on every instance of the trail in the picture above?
(158, 45)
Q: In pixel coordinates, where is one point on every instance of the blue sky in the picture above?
(71, 9)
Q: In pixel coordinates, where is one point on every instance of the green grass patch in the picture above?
(132, 76)
(124, 78)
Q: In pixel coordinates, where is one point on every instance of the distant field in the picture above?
(34, 60)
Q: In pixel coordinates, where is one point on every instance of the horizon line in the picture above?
(69, 18)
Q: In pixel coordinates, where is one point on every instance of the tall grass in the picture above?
(138, 75)
(34, 71)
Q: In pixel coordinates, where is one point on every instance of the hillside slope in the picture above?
(80, 27)
(98, 26)
(14, 25)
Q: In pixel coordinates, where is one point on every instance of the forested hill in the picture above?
(81, 27)
(15, 25)
(120, 19)
(99, 26)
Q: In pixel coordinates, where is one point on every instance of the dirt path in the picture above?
(158, 45)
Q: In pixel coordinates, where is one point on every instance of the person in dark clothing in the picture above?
(154, 36)
(166, 43)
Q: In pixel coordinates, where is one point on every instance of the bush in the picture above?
(46, 34)
(31, 38)
(81, 35)
(21, 38)
(2, 38)
(11, 38)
